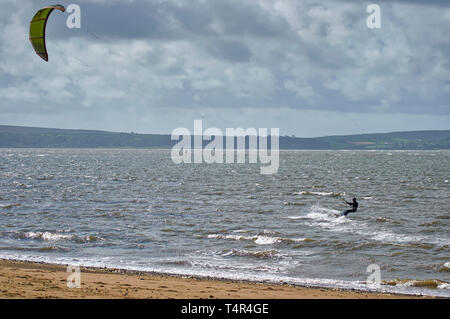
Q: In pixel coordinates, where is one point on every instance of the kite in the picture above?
(37, 29)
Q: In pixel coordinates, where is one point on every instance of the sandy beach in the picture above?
(37, 280)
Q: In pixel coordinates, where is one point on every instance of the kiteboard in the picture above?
(339, 214)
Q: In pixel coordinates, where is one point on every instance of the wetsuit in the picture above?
(354, 208)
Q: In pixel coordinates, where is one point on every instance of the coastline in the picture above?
(31, 280)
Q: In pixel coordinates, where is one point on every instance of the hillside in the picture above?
(33, 137)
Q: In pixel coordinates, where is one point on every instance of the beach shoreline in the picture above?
(32, 280)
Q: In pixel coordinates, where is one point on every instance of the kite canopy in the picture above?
(37, 29)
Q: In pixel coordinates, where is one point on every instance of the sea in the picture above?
(134, 209)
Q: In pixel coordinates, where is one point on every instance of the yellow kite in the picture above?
(37, 29)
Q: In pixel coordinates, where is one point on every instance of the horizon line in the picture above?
(168, 134)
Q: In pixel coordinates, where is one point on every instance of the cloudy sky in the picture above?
(309, 68)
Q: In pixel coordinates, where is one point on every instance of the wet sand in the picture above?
(37, 280)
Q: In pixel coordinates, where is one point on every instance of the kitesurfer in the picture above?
(354, 208)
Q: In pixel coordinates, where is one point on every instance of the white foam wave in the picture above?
(47, 236)
(266, 240)
(294, 217)
(6, 206)
(320, 193)
(211, 271)
(323, 214)
(258, 239)
(269, 232)
(331, 220)
(258, 254)
(444, 286)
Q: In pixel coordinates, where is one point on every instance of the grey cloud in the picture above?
(119, 20)
(245, 18)
(169, 20)
(439, 3)
(443, 3)
(194, 55)
(232, 51)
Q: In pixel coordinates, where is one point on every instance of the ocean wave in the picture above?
(431, 224)
(47, 236)
(177, 262)
(386, 236)
(113, 214)
(241, 231)
(53, 248)
(445, 267)
(294, 204)
(259, 239)
(331, 220)
(9, 206)
(294, 217)
(265, 254)
(429, 283)
(444, 286)
(332, 194)
(266, 240)
(269, 232)
(383, 219)
(329, 216)
(38, 249)
(332, 217)
(218, 267)
(90, 238)
(45, 177)
(208, 270)
(51, 237)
